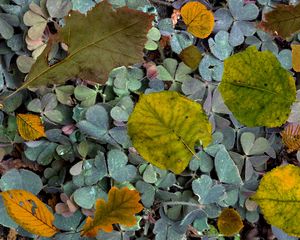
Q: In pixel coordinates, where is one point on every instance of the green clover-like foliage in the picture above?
(257, 89)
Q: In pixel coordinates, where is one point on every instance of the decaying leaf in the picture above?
(291, 137)
(199, 20)
(230, 222)
(278, 196)
(191, 56)
(164, 128)
(296, 57)
(29, 212)
(284, 20)
(30, 126)
(104, 37)
(120, 208)
(257, 89)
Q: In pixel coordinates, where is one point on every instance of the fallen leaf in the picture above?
(291, 137)
(113, 38)
(199, 20)
(120, 208)
(164, 128)
(278, 196)
(30, 126)
(29, 212)
(296, 57)
(230, 222)
(191, 56)
(283, 20)
(257, 89)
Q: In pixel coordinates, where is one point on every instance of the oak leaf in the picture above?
(278, 196)
(30, 126)
(283, 20)
(120, 208)
(257, 89)
(199, 20)
(164, 128)
(29, 212)
(97, 42)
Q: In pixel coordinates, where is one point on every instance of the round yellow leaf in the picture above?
(164, 128)
(278, 196)
(199, 20)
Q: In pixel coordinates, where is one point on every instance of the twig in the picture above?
(161, 2)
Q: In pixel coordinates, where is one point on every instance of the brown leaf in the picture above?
(284, 20)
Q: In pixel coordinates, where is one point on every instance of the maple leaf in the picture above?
(30, 126)
(284, 20)
(120, 208)
(29, 212)
(97, 42)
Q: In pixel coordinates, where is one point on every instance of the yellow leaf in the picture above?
(30, 126)
(278, 196)
(120, 208)
(199, 20)
(164, 128)
(29, 212)
(230, 222)
(296, 57)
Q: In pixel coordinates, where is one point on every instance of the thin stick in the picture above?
(183, 203)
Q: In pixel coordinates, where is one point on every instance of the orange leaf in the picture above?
(199, 20)
(29, 212)
(296, 57)
(120, 208)
(291, 137)
(30, 126)
(229, 222)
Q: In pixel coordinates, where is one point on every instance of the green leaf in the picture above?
(113, 38)
(164, 128)
(278, 196)
(257, 89)
(86, 95)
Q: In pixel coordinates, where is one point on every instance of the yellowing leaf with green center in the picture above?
(283, 20)
(120, 208)
(29, 212)
(230, 222)
(30, 126)
(97, 42)
(278, 196)
(199, 20)
(164, 128)
(257, 89)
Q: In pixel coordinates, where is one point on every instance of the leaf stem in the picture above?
(183, 203)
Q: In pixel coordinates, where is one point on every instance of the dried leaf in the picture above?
(278, 196)
(230, 222)
(112, 38)
(257, 89)
(120, 208)
(164, 128)
(291, 137)
(30, 126)
(284, 20)
(199, 20)
(29, 212)
(191, 56)
(296, 57)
